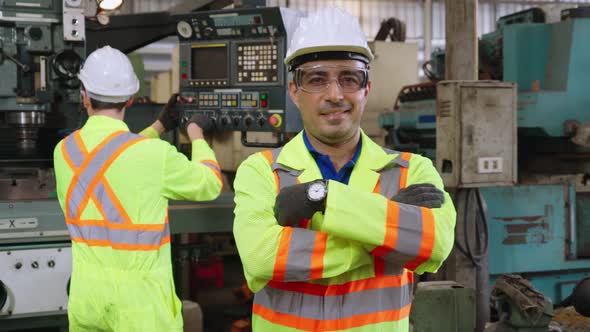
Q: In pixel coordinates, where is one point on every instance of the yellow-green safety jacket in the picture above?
(351, 268)
(113, 187)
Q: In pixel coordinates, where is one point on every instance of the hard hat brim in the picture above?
(329, 48)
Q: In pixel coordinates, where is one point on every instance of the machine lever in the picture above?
(22, 66)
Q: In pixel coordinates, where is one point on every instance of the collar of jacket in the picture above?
(106, 123)
(365, 174)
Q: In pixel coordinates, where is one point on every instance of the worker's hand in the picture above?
(423, 194)
(168, 116)
(293, 205)
(203, 121)
(195, 126)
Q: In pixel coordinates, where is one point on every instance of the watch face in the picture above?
(317, 191)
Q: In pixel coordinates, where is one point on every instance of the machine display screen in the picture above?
(209, 62)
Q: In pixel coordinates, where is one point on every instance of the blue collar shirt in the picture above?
(327, 167)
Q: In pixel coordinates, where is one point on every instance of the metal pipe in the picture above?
(427, 29)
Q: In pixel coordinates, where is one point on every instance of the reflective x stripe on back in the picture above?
(89, 183)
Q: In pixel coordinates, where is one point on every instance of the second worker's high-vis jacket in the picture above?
(351, 268)
(113, 187)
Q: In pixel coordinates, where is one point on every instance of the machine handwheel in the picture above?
(3, 295)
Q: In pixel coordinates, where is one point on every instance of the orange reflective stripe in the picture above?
(345, 288)
(70, 163)
(85, 164)
(100, 174)
(80, 142)
(73, 167)
(280, 267)
(317, 256)
(377, 188)
(214, 166)
(116, 202)
(268, 156)
(117, 226)
(403, 177)
(391, 227)
(98, 205)
(330, 325)
(211, 161)
(270, 159)
(67, 158)
(427, 244)
(122, 246)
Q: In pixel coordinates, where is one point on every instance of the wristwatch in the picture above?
(317, 191)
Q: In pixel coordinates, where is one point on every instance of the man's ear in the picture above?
(367, 89)
(129, 102)
(85, 99)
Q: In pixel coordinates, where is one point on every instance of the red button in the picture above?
(184, 76)
(263, 103)
(257, 19)
(275, 120)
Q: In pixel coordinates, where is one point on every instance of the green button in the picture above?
(184, 64)
(263, 96)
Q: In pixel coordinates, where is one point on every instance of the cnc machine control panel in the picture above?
(231, 68)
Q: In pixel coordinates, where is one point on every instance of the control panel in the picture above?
(231, 69)
(34, 281)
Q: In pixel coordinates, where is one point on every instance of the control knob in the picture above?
(248, 120)
(225, 120)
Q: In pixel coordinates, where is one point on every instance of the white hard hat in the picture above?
(108, 76)
(330, 29)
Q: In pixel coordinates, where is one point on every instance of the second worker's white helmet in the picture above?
(108, 76)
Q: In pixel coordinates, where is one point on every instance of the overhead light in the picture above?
(109, 4)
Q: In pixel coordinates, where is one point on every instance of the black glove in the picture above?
(201, 120)
(293, 204)
(423, 194)
(168, 116)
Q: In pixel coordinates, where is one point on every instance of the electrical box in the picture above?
(443, 306)
(476, 137)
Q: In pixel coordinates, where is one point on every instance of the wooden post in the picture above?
(461, 40)
(461, 63)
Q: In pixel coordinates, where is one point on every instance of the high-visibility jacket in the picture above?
(113, 187)
(350, 268)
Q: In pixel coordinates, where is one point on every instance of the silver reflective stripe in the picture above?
(118, 236)
(300, 250)
(81, 186)
(389, 182)
(334, 307)
(111, 213)
(74, 151)
(275, 154)
(389, 187)
(211, 165)
(398, 160)
(287, 176)
(409, 235)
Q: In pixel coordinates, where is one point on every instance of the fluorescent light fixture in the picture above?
(109, 4)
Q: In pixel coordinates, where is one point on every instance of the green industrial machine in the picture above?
(536, 225)
(42, 45)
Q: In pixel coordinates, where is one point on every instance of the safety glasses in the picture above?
(317, 78)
